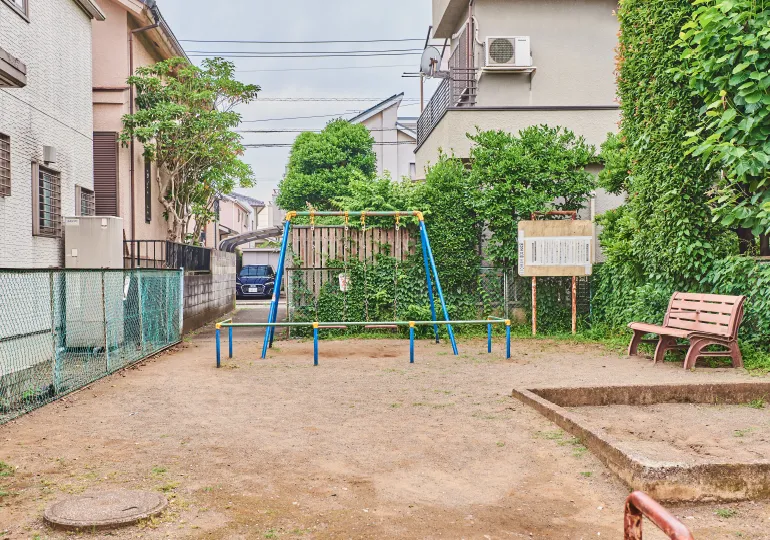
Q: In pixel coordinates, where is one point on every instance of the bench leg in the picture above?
(698, 345)
(735, 354)
(696, 348)
(633, 347)
(664, 344)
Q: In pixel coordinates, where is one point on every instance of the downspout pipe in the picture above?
(131, 107)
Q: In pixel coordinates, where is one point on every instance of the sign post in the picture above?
(555, 248)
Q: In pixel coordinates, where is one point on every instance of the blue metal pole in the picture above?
(273, 314)
(507, 339)
(219, 360)
(230, 336)
(489, 338)
(426, 243)
(315, 344)
(411, 343)
(429, 282)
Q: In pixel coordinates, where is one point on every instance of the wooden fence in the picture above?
(315, 247)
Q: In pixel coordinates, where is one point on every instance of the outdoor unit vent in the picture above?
(508, 52)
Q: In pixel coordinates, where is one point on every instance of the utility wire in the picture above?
(289, 145)
(301, 42)
(324, 68)
(353, 51)
(351, 99)
(339, 55)
(338, 115)
(313, 130)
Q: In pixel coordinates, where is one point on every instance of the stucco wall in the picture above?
(391, 157)
(573, 47)
(54, 109)
(111, 102)
(210, 296)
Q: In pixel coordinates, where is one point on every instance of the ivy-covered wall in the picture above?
(663, 239)
(666, 237)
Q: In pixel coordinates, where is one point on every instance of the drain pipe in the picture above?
(131, 106)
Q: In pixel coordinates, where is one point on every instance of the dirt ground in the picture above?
(689, 433)
(363, 446)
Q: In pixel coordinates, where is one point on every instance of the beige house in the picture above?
(45, 126)
(134, 34)
(395, 137)
(510, 64)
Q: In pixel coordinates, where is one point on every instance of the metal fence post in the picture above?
(54, 336)
(106, 329)
(505, 293)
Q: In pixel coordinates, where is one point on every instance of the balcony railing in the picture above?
(458, 90)
(161, 254)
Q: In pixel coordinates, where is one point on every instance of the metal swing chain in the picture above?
(395, 274)
(345, 254)
(366, 282)
(312, 235)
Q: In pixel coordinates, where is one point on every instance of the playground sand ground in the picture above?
(687, 432)
(363, 446)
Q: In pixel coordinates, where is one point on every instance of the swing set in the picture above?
(431, 277)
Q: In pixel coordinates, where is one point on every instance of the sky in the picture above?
(306, 20)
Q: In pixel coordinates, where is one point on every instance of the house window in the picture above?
(47, 202)
(85, 202)
(19, 5)
(5, 165)
(106, 173)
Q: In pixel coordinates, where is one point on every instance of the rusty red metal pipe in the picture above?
(640, 505)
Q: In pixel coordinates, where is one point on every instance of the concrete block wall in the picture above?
(208, 297)
(54, 109)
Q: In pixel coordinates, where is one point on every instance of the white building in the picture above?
(46, 126)
(395, 137)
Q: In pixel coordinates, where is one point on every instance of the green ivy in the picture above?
(725, 60)
(663, 239)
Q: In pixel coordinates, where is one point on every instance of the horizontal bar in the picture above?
(332, 325)
(373, 213)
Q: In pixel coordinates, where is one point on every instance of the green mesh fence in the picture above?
(63, 329)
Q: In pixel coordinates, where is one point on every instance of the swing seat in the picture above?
(381, 326)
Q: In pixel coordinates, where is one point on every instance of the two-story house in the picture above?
(134, 35)
(510, 64)
(395, 137)
(45, 126)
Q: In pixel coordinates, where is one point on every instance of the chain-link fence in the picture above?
(384, 293)
(63, 329)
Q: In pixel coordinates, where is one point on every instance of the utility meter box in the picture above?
(93, 242)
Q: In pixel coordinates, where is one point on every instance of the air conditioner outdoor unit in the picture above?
(508, 52)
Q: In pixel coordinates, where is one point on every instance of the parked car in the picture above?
(255, 281)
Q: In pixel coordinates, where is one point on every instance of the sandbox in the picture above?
(676, 442)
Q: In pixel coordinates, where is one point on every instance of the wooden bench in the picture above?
(702, 319)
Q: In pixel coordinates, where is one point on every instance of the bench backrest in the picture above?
(709, 313)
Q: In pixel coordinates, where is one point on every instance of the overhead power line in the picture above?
(338, 115)
(352, 51)
(301, 42)
(323, 99)
(314, 130)
(289, 145)
(338, 55)
(324, 68)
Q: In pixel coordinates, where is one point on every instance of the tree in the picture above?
(184, 119)
(541, 169)
(323, 165)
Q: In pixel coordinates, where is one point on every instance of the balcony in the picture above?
(458, 89)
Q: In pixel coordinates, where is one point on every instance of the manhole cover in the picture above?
(105, 510)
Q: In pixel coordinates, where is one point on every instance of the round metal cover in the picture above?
(104, 510)
(501, 50)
